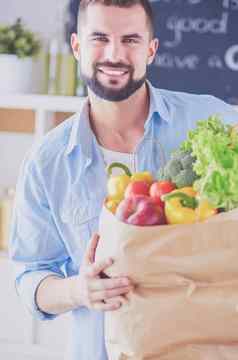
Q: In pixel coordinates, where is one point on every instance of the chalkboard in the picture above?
(198, 47)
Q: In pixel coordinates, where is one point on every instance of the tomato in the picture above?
(160, 188)
(137, 188)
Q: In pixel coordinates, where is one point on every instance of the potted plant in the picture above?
(18, 46)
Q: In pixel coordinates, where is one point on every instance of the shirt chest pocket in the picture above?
(80, 214)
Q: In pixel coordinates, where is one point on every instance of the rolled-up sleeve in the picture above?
(35, 246)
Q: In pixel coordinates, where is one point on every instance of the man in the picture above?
(63, 181)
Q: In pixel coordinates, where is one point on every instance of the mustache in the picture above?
(118, 65)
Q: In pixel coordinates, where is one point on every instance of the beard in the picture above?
(108, 93)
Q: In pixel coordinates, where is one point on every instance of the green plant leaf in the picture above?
(17, 40)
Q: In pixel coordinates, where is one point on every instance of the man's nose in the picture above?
(114, 52)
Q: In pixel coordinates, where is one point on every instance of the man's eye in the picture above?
(130, 41)
(100, 39)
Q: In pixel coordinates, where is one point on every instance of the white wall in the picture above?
(13, 147)
(40, 15)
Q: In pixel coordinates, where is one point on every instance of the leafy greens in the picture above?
(215, 148)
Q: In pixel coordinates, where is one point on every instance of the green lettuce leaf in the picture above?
(215, 148)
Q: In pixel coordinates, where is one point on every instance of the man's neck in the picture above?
(119, 126)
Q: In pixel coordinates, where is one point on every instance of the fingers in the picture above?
(122, 299)
(104, 284)
(104, 306)
(96, 268)
(91, 249)
(107, 294)
(98, 291)
(111, 304)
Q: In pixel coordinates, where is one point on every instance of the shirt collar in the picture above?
(157, 104)
(81, 133)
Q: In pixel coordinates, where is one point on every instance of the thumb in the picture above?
(91, 249)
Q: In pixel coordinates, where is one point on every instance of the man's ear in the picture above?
(154, 45)
(75, 46)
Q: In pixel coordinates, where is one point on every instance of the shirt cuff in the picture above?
(26, 287)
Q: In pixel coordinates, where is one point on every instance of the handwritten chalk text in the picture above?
(179, 26)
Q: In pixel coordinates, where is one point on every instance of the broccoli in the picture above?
(187, 161)
(172, 168)
(186, 177)
(179, 169)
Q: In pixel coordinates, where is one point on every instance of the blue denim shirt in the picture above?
(60, 192)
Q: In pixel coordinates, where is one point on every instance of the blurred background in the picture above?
(40, 86)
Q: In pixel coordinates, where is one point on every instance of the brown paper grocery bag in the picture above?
(185, 303)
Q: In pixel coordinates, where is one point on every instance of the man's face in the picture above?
(114, 50)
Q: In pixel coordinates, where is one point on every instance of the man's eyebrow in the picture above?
(134, 35)
(127, 36)
(98, 33)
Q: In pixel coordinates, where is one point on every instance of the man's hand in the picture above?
(98, 293)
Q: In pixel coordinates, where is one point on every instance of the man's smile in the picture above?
(112, 72)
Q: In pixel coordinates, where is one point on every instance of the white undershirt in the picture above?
(110, 156)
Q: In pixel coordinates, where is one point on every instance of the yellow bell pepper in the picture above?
(205, 210)
(182, 207)
(116, 185)
(112, 204)
(142, 176)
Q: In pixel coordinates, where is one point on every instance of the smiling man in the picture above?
(115, 45)
(62, 183)
(118, 49)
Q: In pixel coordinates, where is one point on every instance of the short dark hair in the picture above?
(120, 3)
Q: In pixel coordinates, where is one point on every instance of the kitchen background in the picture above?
(199, 53)
(24, 118)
